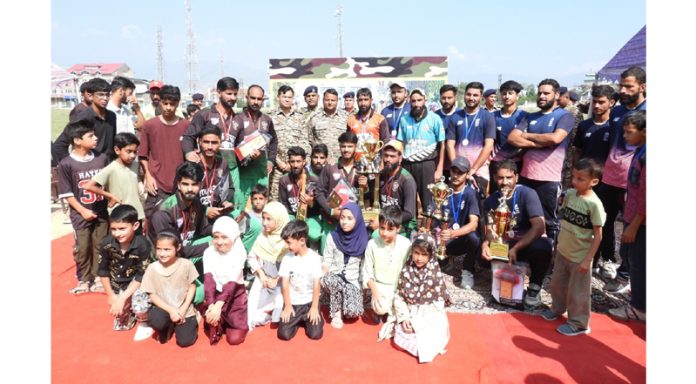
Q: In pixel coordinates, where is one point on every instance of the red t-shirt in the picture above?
(160, 145)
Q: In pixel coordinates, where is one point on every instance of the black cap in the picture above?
(349, 95)
(489, 92)
(197, 96)
(461, 163)
(573, 96)
(310, 89)
(562, 90)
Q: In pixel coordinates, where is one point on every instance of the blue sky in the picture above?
(525, 41)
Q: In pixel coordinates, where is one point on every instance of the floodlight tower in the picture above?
(339, 34)
(191, 60)
(160, 55)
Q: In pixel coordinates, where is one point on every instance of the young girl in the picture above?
(423, 329)
(265, 300)
(170, 284)
(225, 305)
(343, 256)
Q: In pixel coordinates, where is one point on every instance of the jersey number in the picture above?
(87, 196)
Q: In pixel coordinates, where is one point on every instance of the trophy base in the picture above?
(375, 172)
(370, 214)
(499, 251)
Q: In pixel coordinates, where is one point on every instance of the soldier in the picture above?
(327, 124)
(490, 99)
(393, 112)
(197, 99)
(291, 131)
(566, 100)
(311, 97)
(349, 103)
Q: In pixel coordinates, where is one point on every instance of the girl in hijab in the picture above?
(423, 328)
(265, 299)
(343, 255)
(225, 304)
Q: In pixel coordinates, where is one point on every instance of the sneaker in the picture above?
(143, 332)
(549, 315)
(571, 330)
(618, 286)
(467, 280)
(608, 270)
(533, 298)
(596, 271)
(627, 313)
(336, 321)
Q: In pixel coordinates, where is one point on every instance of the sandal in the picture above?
(97, 287)
(627, 313)
(82, 287)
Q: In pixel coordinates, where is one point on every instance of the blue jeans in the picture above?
(636, 255)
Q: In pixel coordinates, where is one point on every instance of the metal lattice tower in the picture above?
(191, 59)
(160, 54)
(339, 33)
(222, 66)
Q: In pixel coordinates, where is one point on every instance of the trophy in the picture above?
(371, 147)
(503, 221)
(441, 192)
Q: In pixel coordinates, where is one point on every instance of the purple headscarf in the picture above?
(352, 243)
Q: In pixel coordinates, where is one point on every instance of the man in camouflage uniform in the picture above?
(567, 101)
(349, 103)
(291, 131)
(327, 124)
(311, 97)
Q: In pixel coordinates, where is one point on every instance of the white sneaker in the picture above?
(609, 270)
(143, 332)
(618, 286)
(467, 280)
(336, 321)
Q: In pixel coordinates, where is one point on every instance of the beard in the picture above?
(227, 104)
(627, 99)
(295, 173)
(416, 112)
(390, 167)
(546, 107)
(364, 110)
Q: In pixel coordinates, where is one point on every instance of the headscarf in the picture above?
(270, 246)
(352, 243)
(229, 266)
(425, 285)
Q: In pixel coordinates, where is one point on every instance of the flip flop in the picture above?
(627, 313)
(81, 288)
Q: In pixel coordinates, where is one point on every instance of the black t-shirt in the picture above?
(467, 202)
(289, 194)
(524, 204)
(72, 176)
(593, 140)
(105, 130)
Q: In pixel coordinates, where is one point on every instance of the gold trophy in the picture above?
(503, 221)
(370, 147)
(441, 192)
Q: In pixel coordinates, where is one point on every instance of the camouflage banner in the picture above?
(350, 74)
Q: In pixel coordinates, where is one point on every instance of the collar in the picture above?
(134, 244)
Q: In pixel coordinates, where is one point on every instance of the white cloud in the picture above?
(454, 53)
(131, 31)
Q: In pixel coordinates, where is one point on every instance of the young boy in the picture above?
(582, 218)
(300, 271)
(87, 211)
(124, 256)
(384, 258)
(259, 198)
(118, 181)
(634, 218)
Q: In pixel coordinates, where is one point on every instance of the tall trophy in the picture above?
(370, 147)
(441, 192)
(503, 221)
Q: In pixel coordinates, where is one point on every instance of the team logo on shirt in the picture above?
(214, 120)
(588, 134)
(533, 122)
(606, 136)
(499, 128)
(395, 186)
(551, 122)
(476, 123)
(389, 115)
(264, 125)
(336, 175)
(289, 187)
(460, 122)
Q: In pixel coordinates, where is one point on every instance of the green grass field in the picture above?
(59, 118)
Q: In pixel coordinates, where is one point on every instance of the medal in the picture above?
(465, 142)
(455, 226)
(511, 234)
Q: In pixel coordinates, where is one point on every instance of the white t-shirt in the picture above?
(302, 270)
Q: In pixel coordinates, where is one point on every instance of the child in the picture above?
(225, 304)
(343, 255)
(582, 218)
(423, 328)
(634, 219)
(384, 258)
(124, 256)
(253, 216)
(265, 300)
(118, 181)
(170, 284)
(87, 211)
(301, 272)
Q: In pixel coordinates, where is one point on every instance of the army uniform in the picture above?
(291, 131)
(325, 129)
(566, 174)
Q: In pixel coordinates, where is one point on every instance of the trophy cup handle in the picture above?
(380, 144)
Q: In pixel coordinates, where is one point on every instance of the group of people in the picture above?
(173, 217)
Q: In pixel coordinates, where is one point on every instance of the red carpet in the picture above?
(505, 348)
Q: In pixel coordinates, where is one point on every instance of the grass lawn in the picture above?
(59, 118)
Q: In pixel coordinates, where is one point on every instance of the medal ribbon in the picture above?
(468, 126)
(456, 209)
